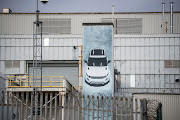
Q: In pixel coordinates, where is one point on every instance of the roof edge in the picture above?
(99, 13)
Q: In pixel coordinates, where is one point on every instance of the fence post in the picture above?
(136, 107)
(17, 97)
(144, 109)
(97, 107)
(93, 108)
(55, 109)
(46, 99)
(2, 112)
(7, 113)
(107, 108)
(73, 116)
(22, 100)
(83, 107)
(64, 106)
(159, 111)
(88, 103)
(68, 105)
(78, 107)
(27, 98)
(116, 101)
(102, 99)
(31, 114)
(112, 99)
(50, 113)
(12, 105)
(126, 103)
(41, 105)
(131, 101)
(60, 106)
(121, 111)
(36, 106)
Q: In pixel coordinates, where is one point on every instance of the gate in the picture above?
(74, 106)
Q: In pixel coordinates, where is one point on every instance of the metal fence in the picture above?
(73, 106)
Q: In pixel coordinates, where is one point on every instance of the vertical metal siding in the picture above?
(144, 57)
(170, 104)
(139, 55)
(23, 23)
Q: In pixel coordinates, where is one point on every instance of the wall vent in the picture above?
(12, 64)
(56, 26)
(126, 25)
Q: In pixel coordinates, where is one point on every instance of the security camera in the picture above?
(44, 1)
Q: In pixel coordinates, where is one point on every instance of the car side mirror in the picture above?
(109, 61)
(85, 61)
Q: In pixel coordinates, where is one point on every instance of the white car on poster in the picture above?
(97, 72)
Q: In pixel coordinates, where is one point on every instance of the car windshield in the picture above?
(97, 62)
(97, 52)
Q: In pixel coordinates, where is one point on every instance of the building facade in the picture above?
(142, 54)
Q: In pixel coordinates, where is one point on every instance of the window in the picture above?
(12, 64)
(56, 26)
(172, 64)
(132, 81)
(46, 41)
(126, 25)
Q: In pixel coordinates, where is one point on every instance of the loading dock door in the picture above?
(69, 71)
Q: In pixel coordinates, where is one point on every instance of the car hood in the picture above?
(97, 71)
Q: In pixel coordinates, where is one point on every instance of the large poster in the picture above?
(98, 58)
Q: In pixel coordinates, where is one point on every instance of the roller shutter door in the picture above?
(69, 71)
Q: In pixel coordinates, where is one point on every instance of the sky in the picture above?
(88, 6)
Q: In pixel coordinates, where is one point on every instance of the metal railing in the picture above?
(27, 81)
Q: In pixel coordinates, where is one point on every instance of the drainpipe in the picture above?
(163, 6)
(171, 17)
(112, 13)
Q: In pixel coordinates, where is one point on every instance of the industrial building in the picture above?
(146, 55)
(140, 47)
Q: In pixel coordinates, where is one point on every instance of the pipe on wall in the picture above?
(163, 7)
(171, 17)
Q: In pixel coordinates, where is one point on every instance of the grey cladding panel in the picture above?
(70, 72)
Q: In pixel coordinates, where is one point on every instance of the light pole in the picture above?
(37, 60)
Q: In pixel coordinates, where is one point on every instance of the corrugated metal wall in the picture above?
(70, 72)
(23, 23)
(170, 104)
(142, 56)
(20, 47)
(2, 85)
